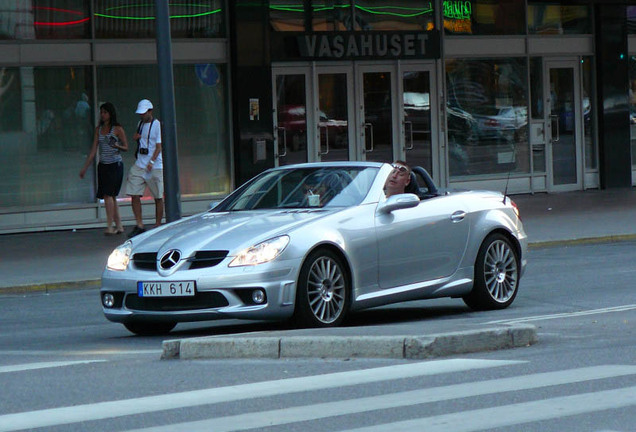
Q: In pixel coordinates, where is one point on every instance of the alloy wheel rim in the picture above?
(326, 290)
(500, 271)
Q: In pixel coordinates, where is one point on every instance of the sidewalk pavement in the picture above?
(45, 261)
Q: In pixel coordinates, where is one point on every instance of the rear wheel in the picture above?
(496, 275)
(323, 293)
(147, 328)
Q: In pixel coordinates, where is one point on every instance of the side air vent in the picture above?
(145, 260)
(204, 259)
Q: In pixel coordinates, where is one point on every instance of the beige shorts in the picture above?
(139, 178)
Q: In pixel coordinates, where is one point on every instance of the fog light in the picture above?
(258, 296)
(108, 300)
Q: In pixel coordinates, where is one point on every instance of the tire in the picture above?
(323, 293)
(496, 275)
(149, 328)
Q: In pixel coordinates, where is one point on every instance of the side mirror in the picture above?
(397, 202)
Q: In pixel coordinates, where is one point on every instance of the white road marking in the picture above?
(566, 315)
(516, 414)
(106, 410)
(279, 417)
(43, 365)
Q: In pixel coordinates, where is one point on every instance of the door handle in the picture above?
(410, 130)
(284, 153)
(554, 117)
(458, 216)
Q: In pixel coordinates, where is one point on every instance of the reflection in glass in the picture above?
(537, 110)
(484, 17)
(117, 19)
(46, 124)
(291, 119)
(333, 122)
(589, 129)
(487, 117)
(632, 107)
(631, 19)
(44, 19)
(202, 124)
(378, 116)
(376, 15)
(287, 16)
(557, 19)
(563, 126)
(417, 119)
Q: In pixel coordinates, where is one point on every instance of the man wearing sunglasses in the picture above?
(399, 178)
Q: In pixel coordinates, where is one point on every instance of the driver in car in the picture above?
(399, 178)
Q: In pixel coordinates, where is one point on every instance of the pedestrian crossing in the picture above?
(504, 414)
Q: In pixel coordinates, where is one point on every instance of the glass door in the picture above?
(419, 117)
(563, 124)
(291, 115)
(334, 113)
(376, 126)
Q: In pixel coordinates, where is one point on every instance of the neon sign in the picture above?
(458, 9)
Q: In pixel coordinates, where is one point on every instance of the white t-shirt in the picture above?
(155, 137)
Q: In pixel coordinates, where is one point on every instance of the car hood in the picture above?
(231, 231)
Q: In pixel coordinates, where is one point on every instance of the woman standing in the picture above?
(111, 139)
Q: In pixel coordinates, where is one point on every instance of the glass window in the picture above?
(372, 15)
(556, 19)
(484, 17)
(487, 116)
(631, 19)
(537, 114)
(287, 16)
(44, 19)
(202, 124)
(116, 19)
(632, 106)
(587, 69)
(46, 123)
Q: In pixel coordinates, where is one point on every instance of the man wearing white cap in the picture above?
(148, 169)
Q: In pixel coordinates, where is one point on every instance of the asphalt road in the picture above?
(581, 375)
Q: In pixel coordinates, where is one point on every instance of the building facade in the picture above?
(532, 96)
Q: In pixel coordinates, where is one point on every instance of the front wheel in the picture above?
(496, 275)
(323, 293)
(149, 328)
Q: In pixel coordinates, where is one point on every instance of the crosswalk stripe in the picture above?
(104, 410)
(43, 365)
(510, 415)
(394, 400)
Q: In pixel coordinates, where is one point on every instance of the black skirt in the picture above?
(109, 178)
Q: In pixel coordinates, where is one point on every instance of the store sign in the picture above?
(360, 46)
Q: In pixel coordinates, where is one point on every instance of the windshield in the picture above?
(315, 187)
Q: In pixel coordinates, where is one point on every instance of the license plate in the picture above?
(165, 289)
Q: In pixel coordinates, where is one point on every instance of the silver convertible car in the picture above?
(313, 242)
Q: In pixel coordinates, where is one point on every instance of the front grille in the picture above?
(171, 304)
(145, 260)
(203, 259)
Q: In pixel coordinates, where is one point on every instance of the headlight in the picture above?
(261, 253)
(120, 257)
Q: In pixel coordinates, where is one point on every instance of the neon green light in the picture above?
(194, 15)
(371, 10)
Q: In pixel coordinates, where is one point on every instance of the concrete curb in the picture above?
(396, 347)
(51, 286)
(581, 241)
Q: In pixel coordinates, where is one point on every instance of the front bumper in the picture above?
(221, 293)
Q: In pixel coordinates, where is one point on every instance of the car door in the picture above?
(423, 243)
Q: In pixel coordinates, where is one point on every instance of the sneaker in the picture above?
(136, 231)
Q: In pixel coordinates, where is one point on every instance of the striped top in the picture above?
(107, 153)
